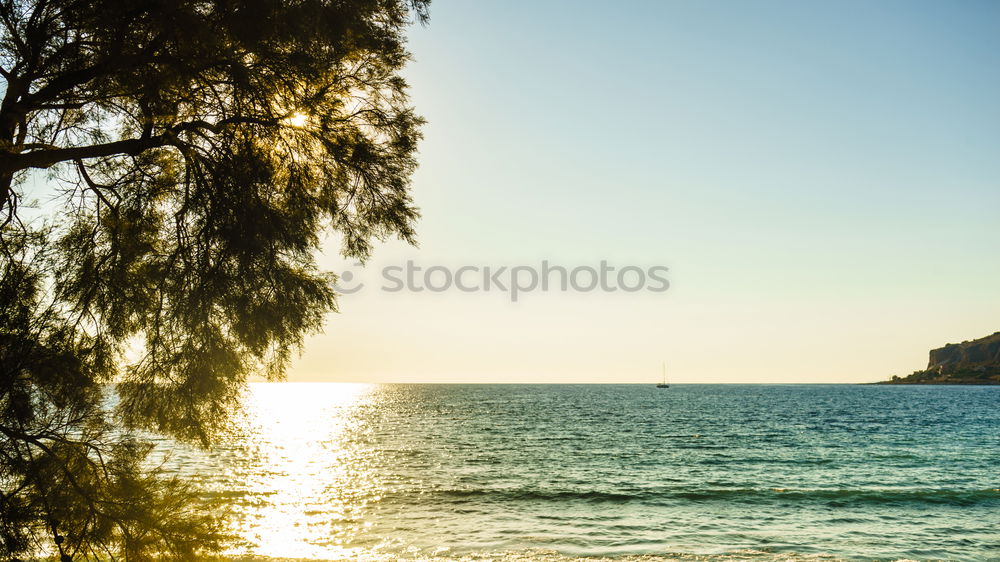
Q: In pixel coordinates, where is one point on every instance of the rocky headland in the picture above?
(969, 362)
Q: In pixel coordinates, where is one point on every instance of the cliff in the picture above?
(969, 362)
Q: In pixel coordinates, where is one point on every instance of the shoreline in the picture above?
(937, 383)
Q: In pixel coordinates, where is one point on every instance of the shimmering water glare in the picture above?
(335, 471)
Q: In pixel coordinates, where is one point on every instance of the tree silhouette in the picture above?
(194, 154)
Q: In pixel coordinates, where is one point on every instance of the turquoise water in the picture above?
(329, 471)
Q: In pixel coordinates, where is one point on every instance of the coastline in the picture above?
(904, 382)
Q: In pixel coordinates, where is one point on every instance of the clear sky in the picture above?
(821, 178)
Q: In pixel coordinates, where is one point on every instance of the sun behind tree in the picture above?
(200, 150)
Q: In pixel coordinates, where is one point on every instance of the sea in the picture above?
(329, 471)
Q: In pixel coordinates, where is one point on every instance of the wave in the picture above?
(853, 496)
(539, 555)
(833, 497)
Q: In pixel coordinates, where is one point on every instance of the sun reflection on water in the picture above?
(306, 486)
(463, 472)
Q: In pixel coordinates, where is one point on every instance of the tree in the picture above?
(195, 153)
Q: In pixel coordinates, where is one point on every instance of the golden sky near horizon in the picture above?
(826, 206)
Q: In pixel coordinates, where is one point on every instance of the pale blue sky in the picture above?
(823, 180)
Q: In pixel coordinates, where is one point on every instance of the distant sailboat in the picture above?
(664, 383)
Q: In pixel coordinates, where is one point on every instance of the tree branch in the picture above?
(46, 158)
(48, 155)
